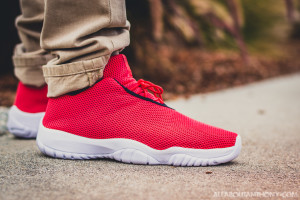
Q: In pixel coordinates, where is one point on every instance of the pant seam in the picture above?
(70, 74)
(110, 15)
(86, 72)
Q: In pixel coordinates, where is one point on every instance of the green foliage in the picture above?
(265, 23)
(209, 23)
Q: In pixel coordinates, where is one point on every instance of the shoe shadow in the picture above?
(22, 139)
(44, 156)
(107, 160)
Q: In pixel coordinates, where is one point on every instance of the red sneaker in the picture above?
(25, 115)
(119, 118)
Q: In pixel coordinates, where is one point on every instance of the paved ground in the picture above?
(266, 114)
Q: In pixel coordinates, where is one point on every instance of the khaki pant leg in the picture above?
(82, 35)
(28, 57)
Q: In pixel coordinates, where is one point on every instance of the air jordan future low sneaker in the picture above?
(127, 120)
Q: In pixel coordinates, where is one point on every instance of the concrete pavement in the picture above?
(266, 114)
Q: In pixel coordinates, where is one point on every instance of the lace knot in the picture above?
(154, 89)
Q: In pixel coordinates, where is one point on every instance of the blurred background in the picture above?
(193, 46)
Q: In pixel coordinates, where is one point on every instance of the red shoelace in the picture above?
(147, 86)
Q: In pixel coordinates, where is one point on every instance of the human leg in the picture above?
(28, 58)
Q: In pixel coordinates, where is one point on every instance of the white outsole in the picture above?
(23, 124)
(60, 144)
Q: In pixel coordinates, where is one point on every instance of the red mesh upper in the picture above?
(31, 99)
(106, 111)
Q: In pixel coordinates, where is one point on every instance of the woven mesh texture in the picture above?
(31, 99)
(106, 111)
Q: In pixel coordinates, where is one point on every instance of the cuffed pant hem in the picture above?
(65, 78)
(28, 65)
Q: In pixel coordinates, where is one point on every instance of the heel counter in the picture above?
(48, 117)
(31, 99)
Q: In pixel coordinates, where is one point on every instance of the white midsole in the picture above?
(65, 142)
(23, 124)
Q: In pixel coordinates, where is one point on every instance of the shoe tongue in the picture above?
(118, 68)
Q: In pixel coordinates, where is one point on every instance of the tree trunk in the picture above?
(290, 10)
(237, 30)
(156, 10)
